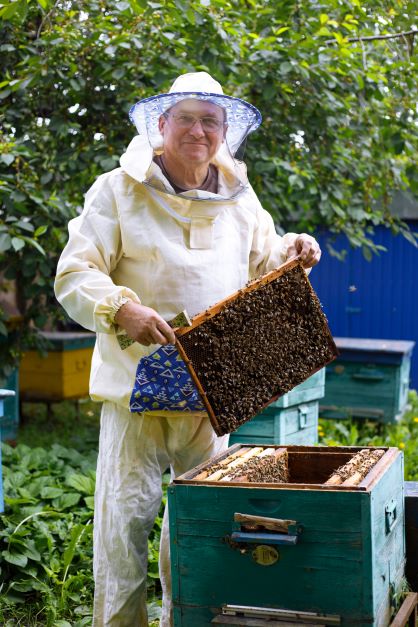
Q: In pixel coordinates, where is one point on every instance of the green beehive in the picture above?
(369, 379)
(342, 554)
(292, 419)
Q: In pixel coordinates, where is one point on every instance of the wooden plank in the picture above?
(407, 614)
(259, 622)
(272, 524)
(382, 465)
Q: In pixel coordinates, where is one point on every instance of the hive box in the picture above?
(63, 373)
(369, 379)
(9, 419)
(344, 556)
(291, 419)
(4, 395)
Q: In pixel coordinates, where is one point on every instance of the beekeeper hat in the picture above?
(242, 117)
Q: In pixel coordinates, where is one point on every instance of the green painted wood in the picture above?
(368, 383)
(59, 341)
(292, 425)
(344, 563)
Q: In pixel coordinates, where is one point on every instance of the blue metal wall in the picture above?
(376, 299)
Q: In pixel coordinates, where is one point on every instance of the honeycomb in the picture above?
(265, 340)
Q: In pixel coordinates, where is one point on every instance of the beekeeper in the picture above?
(176, 227)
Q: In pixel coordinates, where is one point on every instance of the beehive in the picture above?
(63, 372)
(255, 346)
(328, 549)
(370, 379)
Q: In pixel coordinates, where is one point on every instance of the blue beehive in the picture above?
(369, 379)
(292, 419)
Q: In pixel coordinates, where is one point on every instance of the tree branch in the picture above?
(374, 37)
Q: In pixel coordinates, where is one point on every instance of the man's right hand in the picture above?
(144, 325)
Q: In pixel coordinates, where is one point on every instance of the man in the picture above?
(176, 227)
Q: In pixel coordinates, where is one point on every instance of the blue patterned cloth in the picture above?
(162, 382)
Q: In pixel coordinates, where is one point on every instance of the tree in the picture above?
(334, 81)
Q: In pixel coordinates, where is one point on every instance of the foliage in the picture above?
(46, 534)
(340, 121)
(403, 434)
(45, 541)
(46, 538)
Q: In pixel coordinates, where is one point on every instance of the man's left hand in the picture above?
(306, 248)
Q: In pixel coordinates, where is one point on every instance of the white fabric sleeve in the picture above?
(83, 284)
(269, 249)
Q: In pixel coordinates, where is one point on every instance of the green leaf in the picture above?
(5, 242)
(41, 230)
(76, 534)
(26, 226)
(89, 500)
(83, 484)
(35, 244)
(67, 500)
(51, 492)
(323, 32)
(15, 558)
(7, 158)
(18, 243)
(10, 10)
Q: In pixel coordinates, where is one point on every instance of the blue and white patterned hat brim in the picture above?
(242, 117)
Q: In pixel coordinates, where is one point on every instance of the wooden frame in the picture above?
(337, 455)
(219, 307)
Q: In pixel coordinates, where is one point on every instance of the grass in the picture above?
(45, 534)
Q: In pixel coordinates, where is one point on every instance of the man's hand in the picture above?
(306, 248)
(144, 325)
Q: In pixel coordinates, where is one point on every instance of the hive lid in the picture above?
(251, 348)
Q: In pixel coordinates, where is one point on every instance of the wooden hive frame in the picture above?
(256, 345)
(314, 462)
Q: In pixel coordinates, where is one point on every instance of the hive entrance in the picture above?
(257, 345)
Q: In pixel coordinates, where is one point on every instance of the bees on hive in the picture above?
(259, 346)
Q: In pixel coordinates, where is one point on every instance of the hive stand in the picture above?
(369, 379)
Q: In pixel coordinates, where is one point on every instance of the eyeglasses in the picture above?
(187, 120)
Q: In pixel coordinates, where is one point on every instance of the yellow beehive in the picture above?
(63, 372)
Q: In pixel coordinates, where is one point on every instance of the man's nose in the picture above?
(197, 129)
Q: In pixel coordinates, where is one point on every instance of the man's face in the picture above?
(197, 143)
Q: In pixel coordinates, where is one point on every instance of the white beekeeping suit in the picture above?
(138, 240)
